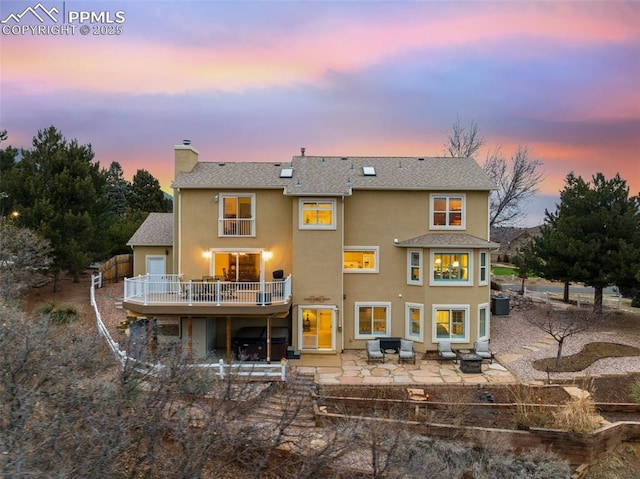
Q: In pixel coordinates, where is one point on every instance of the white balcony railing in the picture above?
(171, 289)
(236, 226)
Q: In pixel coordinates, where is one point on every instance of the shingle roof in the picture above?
(317, 175)
(448, 240)
(156, 230)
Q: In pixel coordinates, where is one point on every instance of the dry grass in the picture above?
(529, 412)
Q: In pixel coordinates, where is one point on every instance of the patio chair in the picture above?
(406, 353)
(373, 351)
(445, 352)
(481, 348)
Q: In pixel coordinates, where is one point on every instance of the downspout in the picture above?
(341, 314)
(179, 249)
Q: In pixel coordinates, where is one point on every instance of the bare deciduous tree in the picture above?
(561, 324)
(516, 179)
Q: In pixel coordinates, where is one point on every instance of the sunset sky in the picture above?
(257, 80)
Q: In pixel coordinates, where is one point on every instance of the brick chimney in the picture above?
(186, 157)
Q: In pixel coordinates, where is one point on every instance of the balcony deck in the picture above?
(170, 294)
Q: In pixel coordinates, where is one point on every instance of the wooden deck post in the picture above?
(228, 339)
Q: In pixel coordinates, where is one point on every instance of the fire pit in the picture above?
(470, 363)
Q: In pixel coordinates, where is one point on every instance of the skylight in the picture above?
(369, 171)
(286, 173)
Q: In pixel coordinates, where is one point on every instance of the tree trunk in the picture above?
(57, 285)
(560, 341)
(565, 296)
(597, 299)
(522, 286)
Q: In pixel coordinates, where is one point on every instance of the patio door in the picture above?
(316, 328)
(237, 266)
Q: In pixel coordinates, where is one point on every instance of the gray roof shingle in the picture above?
(447, 240)
(317, 175)
(156, 230)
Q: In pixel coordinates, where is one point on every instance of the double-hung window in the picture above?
(447, 211)
(237, 214)
(372, 320)
(483, 321)
(414, 328)
(451, 322)
(317, 214)
(414, 267)
(360, 259)
(484, 273)
(451, 268)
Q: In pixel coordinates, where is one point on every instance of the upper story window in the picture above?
(451, 268)
(317, 214)
(484, 276)
(236, 214)
(414, 267)
(360, 259)
(447, 212)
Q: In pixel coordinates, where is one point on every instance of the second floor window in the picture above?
(360, 259)
(317, 214)
(414, 273)
(451, 267)
(447, 212)
(237, 214)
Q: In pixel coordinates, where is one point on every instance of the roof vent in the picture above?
(220, 164)
(344, 158)
(302, 151)
(420, 159)
(186, 142)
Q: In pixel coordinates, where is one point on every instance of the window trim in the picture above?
(450, 307)
(376, 252)
(448, 196)
(487, 319)
(410, 280)
(481, 268)
(450, 282)
(407, 312)
(303, 226)
(374, 334)
(221, 218)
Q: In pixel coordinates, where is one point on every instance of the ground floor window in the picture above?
(451, 322)
(316, 326)
(483, 321)
(414, 321)
(372, 319)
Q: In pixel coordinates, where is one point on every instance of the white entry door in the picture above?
(156, 265)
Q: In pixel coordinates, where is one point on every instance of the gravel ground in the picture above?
(510, 333)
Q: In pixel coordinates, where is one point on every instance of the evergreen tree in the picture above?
(147, 196)
(594, 236)
(60, 191)
(118, 190)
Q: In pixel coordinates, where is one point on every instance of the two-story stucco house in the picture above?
(322, 253)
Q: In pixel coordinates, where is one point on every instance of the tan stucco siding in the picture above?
(140, 254)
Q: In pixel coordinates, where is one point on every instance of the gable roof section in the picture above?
(156, 230)
(317, 175)
(447, 240)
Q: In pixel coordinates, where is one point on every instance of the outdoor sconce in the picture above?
(267, 255)
(216, 199)
(166, 252)
(207, 254)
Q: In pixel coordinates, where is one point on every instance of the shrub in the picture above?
(62, 315)
(578, 415)
(528, 412)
